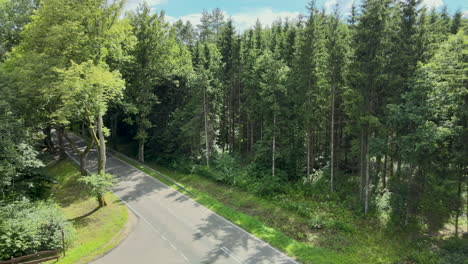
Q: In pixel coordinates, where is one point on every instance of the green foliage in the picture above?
(14, 15)
(19, 161)
(227, 168)
(27, 227)
(87, 89)
(156, 58)
(98, 184)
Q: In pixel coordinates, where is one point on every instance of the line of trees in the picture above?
(377, 101)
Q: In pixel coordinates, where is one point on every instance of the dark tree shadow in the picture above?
(81, 217)
(231, 241)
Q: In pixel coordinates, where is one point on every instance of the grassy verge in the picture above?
(98, 229)
(301, 251)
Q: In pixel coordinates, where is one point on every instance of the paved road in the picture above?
(172, 228)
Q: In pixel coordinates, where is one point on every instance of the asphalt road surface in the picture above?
(172, 228)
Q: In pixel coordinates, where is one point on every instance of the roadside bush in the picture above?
(203, 170)
(98, 185)
(317, 222)
(28, 227)
(182, 165)
(267, 185)
(227, 168)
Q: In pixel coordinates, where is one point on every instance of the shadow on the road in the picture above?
(133, 183)
(179, 197)
(235, 242)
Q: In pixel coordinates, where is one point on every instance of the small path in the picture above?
(172, 228)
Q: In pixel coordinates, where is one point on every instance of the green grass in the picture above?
(98, 229)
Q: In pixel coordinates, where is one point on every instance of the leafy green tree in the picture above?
(14, 15)
(76, 31)
(19, 160)
(433, 114)
(86, 90)
(98, 185)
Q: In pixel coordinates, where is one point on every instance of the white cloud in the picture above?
(329, 5)
(133, 4)
(432, 3)
(193, 18)
(465, 14)
(246, 19)
(267, 16)
(344, 6)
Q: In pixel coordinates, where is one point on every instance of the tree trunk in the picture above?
(361, 171)
(83, 129)
(141, 151)
(48, 139)
(252, 137)
(308, 155)
(101, 200)
(332, 140)
(384, 175)
(261, 131)
(273, 147)
(101, 146)
(82, 154)
(459, 202)
(61, 146)
(366, 202)
(205, 113)
(239, 101)
(83, 164)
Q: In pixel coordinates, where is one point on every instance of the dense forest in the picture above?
(369, 110)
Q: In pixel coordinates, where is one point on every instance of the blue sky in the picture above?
(245, 12)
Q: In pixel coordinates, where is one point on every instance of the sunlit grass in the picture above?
(98, 229)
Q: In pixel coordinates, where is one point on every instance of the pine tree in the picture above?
(337, 44)
(309, 75)
(370, 43)
(273, 75)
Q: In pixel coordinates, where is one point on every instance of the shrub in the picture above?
(454, 251)
(182, 165)
(203, 170)
(316, 222)
(226, 167)
(98, 185)
(267, 185)
(28, 227)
